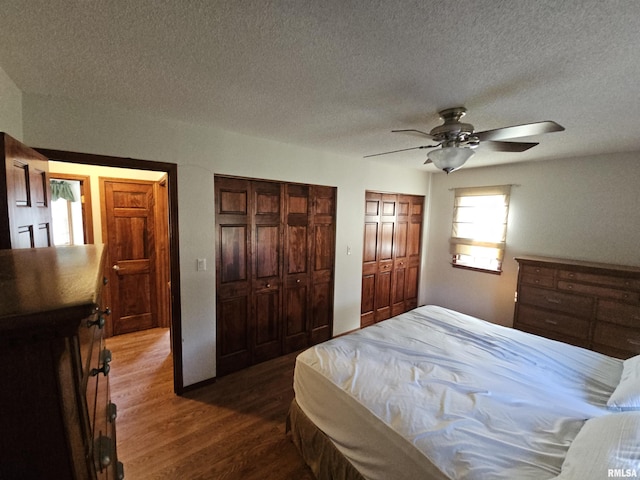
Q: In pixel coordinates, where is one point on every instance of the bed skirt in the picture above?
(324, 459)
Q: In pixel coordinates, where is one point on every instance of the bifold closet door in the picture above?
(233, 274)
(391, 255)
(297, 284)
(323, 221)
(266, 271)
(275, 251)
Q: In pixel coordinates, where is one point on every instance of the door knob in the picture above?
(116, 267)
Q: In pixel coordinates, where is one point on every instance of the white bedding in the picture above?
(434, 394)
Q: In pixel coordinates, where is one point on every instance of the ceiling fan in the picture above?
(458, 139)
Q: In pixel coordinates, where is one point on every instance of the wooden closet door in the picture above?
(233, 274)
(380, 220)
(266, 276)
(275, 256)
(400, 260)
(391, 255)
(414, 251)
(370, 258)
(406, 261)
(323, 219)
(296, 267)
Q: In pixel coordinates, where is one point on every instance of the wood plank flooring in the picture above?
(232, 429)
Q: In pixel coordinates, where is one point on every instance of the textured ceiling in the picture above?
(338, 75)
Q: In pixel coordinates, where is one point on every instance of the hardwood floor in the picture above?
(232, 429)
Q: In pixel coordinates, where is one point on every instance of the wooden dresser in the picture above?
(56, 417)
(592, 305)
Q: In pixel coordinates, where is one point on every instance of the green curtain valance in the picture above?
(61, 189)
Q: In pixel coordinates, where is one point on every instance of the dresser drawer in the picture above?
(604, 280)
(619, 313)
(554, 335)
(561, 302)
(89, 336)
(536, 271)
(618, 337)
(546, 321)
(541, 280)
(605, 292)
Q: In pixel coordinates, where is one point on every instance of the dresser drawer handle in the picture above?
(112, 412)
(104, 370)
(99, 322)
(633, 341)
(105, 357)
(550, 322)
(104, 451)
(120, 471)
(556, 301)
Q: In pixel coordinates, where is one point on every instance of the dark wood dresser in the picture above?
(591, 305)
(56, 417)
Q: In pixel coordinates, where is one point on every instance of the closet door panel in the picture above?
(233, 253)
(367, 312)
(297, 267)
(266, 313)
(233, 334)
(267, 252)
(322, 260)
(233, 275)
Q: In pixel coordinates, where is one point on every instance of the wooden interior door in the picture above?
(128, 219)
(25, 196)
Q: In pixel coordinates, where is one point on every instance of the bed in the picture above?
(434, 394)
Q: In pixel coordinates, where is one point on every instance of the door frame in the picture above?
(171, 169)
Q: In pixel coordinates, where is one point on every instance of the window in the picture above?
(480, 227)
(66, 212)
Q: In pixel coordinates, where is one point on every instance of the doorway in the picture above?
(169, 183)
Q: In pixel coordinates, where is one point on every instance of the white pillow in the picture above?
(626, 396)
(605, 447)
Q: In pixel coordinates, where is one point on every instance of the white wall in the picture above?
(200, 152)
(10, 107)
(581, 208)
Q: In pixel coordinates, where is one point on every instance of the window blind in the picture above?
(479, 227)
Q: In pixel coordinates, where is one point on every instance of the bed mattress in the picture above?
(435, 394)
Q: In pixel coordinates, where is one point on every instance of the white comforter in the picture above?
(437, 394)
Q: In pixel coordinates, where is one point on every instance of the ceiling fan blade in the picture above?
(413, 130)
(507, 146)
(516, 131)
(401, 150)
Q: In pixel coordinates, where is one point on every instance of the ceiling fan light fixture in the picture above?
(449, 159)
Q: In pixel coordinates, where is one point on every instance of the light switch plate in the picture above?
(202, 264)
